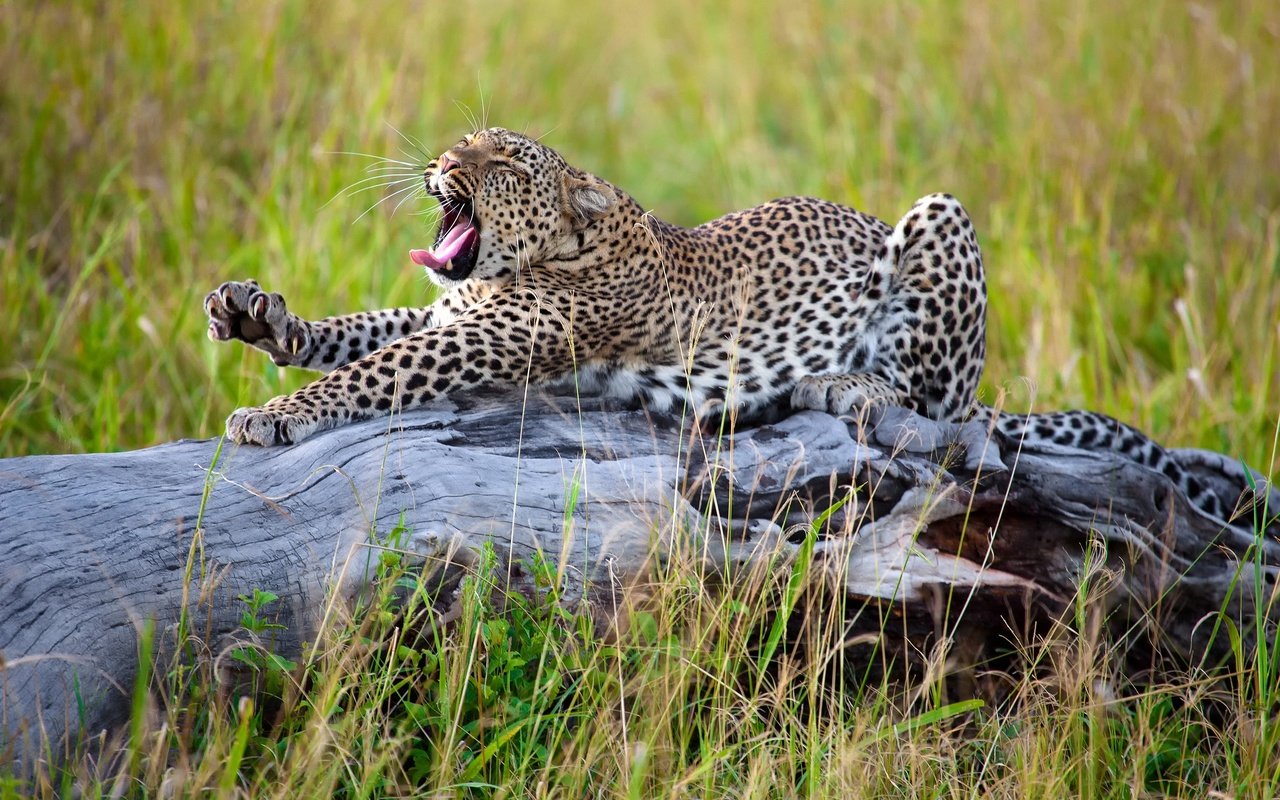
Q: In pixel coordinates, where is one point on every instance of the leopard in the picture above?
(548, 273)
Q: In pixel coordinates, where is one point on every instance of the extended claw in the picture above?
(212, 305)
(219, 331)
(262, 305)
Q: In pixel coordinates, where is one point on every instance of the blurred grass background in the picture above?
(1119, 160)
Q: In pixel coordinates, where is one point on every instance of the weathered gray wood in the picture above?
(93, 545)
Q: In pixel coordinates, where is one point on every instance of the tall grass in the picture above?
(1119, 161)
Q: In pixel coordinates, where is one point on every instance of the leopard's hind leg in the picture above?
(925, 344)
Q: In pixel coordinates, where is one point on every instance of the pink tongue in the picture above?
(459, 238)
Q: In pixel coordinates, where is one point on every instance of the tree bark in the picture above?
(92, 546)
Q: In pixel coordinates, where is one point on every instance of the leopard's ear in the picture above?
(586, 197)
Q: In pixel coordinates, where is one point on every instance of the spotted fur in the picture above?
(798, 301)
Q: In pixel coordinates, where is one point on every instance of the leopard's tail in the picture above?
(1225, 490)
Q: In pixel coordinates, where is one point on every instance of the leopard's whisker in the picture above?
(383, 200)
(405, 153)
(407, 198)
(394, 168)
(546, 133)
(413, 164)
(374, 181)
(414, 143)
(484, 109)
(356, 188)
(391, 176)
(467, 112)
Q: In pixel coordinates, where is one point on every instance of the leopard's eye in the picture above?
(509, 168)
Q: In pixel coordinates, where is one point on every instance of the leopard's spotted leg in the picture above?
(500, 343)
(924, 343)
(935, 321)
(241, 310)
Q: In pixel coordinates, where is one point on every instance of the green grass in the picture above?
(1118, 159)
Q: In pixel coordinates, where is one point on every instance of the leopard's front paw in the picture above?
(267, 427)
(241, 310)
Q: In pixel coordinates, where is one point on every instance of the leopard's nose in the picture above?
(448, 164)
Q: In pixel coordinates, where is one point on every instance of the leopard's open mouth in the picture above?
(457, 243)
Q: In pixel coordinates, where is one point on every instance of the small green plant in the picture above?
(252, 618)
(260, 657)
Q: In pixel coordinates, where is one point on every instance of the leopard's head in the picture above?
(506, 201)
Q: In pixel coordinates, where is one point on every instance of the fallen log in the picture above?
(92, 546)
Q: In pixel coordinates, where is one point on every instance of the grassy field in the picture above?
(1119, 161)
